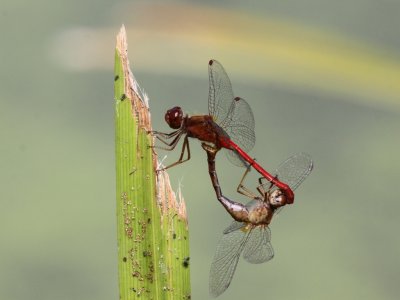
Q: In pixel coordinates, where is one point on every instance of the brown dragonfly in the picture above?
(249, 233)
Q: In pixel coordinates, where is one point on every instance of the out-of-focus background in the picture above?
(322, 77)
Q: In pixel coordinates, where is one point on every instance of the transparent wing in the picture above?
(225, 260)
(235, 225)
(239, 125)
(220, 94)
(234, 115)
(295, 169)
(235, 158)
(258, 248)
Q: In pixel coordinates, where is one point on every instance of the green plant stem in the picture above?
(153, 239)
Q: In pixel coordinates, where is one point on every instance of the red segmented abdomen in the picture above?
(229, 144)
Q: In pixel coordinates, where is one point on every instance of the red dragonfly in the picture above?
(229, 125)
(249, 233)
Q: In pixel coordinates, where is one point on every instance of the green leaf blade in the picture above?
(152, 233)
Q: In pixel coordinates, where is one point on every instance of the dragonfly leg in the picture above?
(185, 146)
(237, 210)
(163, 134)
(261, 185)
(241, 189)
(164, 138)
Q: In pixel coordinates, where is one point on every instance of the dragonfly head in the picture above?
(174, 117)
(277, 198)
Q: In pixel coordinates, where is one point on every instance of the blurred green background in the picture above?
(322, 77)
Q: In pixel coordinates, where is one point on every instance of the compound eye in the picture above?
(174, 117)
(277, 198)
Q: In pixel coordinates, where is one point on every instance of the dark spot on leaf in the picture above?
(174, 235)
(124, 259)
(185, 262)
(123, 97)
(116, 77)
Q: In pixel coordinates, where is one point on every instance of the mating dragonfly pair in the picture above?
(230, 126)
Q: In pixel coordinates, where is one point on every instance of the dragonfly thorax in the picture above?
(259, 212)
(174, 117)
